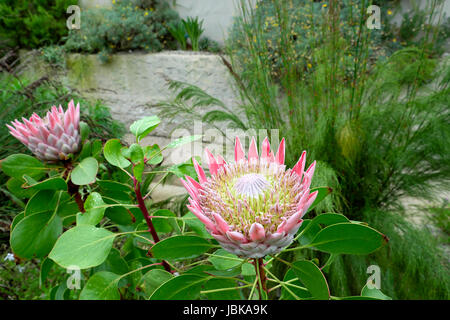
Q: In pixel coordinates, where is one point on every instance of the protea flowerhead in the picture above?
(53, 137)
(252, 207)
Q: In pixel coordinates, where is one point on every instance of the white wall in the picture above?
(217, 15)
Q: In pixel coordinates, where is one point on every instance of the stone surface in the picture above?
(132, 84)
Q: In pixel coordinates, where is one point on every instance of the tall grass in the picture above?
(378, 123)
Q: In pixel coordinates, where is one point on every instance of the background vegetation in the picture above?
(373, 112)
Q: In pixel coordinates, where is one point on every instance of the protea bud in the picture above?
(52, 138)
(252, 207)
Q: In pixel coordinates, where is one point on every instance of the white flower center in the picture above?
(251, 185)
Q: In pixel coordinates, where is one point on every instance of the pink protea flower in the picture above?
(52, 138)
(252, 207)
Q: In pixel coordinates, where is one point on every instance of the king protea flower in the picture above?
(252, 207)
(52, 138)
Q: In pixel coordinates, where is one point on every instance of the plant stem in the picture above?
(261, 275)
(73, 188)
(143, 208)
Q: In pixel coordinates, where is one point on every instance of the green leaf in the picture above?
(16, 220)
(308, 231)
(216, 283)
(299, 292)
(180, 247)
(101, 286)
(183, 140)
(230, 273)
(328, 219)
(196, 225)
(164, 225)
(95, 209)
(138, 170)
(109, 185)
(67, 211)
(46, 266)
(153, 154)
(17, 165)
(83, 247)
(181, 170)
(310, 228)
(135, 153)
(356, 298)
(41, 201)
(113, 263)
(183, 287)
(153, 279)
(224, 260)
(122, 215)
(85, 172)
(14, 185)
(96, 148)
(144, 126)
(323, 192)
(55, 183)
(86, 150)
(60, 292)
(35, 235)
(313, 279)
(248, 269)
(84, 131)
(201, 270)
(374, 293)
(348, 238)
(112, 153)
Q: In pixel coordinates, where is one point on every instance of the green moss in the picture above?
(80, 71)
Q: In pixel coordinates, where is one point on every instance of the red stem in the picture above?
(259, 268)
(151, 228)
(73, 188)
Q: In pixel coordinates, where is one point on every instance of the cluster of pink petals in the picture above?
(52, 138)
(254, 206)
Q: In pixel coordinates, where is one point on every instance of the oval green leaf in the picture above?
(55, 183)
(101, 286)
(144, 126)
(83, 247)
(153, 279)
(374, 293)
(17, 165)
(85, 172)
(224, 260)
(95, 209)
(348, 238)
(313, 279)
(184, 287)
(180, 247)
(35, 235)
(112, 153)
